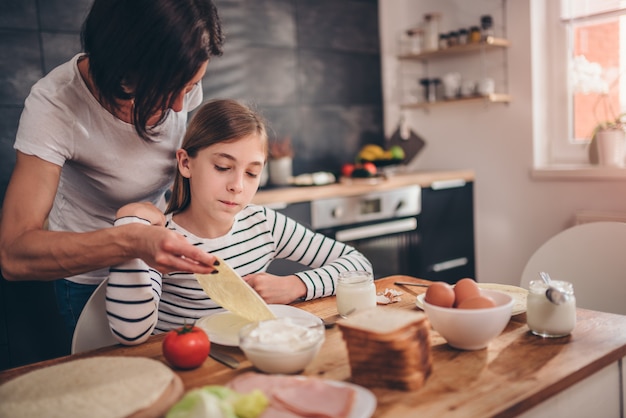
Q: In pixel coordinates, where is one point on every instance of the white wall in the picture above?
(514, 214)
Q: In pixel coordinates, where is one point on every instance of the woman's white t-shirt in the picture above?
(105, 164)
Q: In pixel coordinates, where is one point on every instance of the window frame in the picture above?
(554, 156)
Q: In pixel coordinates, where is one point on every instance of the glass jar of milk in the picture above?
(355, 291)
(546, 318)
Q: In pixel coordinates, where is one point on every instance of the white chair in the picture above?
(592, 257)
(92, 328)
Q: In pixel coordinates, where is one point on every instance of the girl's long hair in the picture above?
(221, 120)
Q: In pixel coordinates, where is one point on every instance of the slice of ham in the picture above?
(297, 396)
(314, 397)
(249, 381)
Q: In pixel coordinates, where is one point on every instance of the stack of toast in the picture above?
(388, 348)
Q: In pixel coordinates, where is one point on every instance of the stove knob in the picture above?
(337, 212)
(400, 205)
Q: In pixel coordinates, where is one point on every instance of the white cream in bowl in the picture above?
(282, 345)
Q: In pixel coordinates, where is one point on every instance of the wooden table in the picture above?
(516, 373)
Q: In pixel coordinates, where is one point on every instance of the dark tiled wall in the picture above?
(312, 67)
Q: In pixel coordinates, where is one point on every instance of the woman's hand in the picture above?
(143, 210)
(166, 250)
(277, 289)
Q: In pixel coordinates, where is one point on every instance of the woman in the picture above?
(98, 132)
(219, 169)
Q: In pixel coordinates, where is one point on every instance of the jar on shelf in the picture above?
(404, 42)
(474, 34)
(410, 41)
(437, 87)
(463, 36)
(486, 24)
(453, 38)
(443, 41)
(427, 91)
(432, 22)
(416, 40)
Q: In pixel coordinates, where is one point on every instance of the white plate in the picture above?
(223, 328)
(518, 294)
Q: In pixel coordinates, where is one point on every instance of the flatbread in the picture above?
(96, 387)
(231, 292)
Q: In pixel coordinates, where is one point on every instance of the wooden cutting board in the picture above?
(409, 141)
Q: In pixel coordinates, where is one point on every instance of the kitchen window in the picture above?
(579, 53)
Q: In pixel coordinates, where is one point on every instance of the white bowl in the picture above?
(471, 329)
(282, 345)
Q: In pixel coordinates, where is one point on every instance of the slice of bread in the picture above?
(382, 321)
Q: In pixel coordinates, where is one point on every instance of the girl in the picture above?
(219, 169)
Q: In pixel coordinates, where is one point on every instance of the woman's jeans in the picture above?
(71, 299)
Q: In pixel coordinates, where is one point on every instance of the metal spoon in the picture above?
(553, 294)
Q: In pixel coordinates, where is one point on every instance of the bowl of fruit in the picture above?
(368, 162)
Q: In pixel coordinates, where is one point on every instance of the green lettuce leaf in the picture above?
(217, 401)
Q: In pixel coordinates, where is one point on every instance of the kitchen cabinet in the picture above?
(446, 230)
(440, 247)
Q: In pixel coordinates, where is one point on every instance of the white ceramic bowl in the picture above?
(282, 345)
(471, 329)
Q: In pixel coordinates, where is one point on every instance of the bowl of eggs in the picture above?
(467, 317)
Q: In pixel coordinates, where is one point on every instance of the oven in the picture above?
(383, 225)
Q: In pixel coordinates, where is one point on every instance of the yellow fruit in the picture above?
(371, 152)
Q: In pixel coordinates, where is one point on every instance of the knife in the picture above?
(411, 284)
(224, 358)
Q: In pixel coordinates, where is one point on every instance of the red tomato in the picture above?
(371, 167)
(186, 347)
(347, 169)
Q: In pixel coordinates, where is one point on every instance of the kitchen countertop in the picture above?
(517, 371)
(285, 195)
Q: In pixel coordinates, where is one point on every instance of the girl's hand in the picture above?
(277, 289)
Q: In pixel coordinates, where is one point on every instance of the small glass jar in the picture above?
(463, 36)
(437, 88)
(486, 23)
(545, 318)
(453, 38)
(416, 40)
(431, 31)
(474, 34)
(355, 291)
(443, 41)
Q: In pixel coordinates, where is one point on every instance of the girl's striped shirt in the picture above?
(141, 301)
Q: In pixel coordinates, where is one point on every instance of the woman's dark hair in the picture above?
(148, 51)
(220, 120)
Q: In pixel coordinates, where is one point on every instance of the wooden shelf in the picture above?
(491, 98)
(488, 44)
